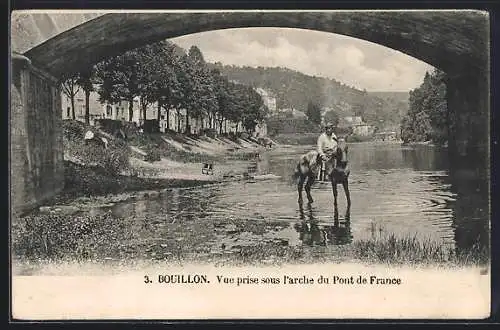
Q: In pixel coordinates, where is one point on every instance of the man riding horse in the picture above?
(333, 152)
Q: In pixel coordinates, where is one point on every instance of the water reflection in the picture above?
(470, 215)
(312, 232)
(469, 208)
(171, 206)
(425, 158)
(403, 191)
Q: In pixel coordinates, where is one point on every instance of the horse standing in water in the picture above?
(310, 165)
(340, 173)
(306, 172)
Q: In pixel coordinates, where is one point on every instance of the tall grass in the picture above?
(61, 237)
(55, 237)
(411, 250)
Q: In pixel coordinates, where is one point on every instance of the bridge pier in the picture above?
(36, 153)
(468, 106)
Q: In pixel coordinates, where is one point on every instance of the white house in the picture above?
(120, 111)
(363, 129)
(260, 130)
(268, 99)
(353, 120)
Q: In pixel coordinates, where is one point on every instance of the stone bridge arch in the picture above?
(448, 40)
(455, 41)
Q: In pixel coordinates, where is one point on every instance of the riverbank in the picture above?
(55, 240)
(247, 222)
(89, 231)
(90, 182)
(148, 161)
(424, 144)
(312, 138)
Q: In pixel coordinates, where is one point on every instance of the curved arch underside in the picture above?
(452, 41)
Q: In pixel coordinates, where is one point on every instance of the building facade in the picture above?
(169, 120)
(363, 129)
(268, 98)
(358, 126)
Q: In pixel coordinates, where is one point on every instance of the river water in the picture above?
(395, 190)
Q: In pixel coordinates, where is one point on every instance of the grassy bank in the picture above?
(136, 163)
(48, 238)
(410, 250)
(153, 143)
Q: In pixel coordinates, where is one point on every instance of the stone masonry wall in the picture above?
(36, 159)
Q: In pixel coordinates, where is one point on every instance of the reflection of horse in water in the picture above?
(311, 232)
(310, 166)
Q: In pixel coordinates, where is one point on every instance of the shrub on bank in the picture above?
(114, 159)
(210, 132)
(153, 155)
(74, 130)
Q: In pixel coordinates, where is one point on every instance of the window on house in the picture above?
(109, 111)
(68, 112)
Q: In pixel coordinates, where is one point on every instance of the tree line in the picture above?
(175, 80)
(427, 118)
(296, 90)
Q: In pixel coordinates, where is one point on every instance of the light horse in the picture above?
(310, 165)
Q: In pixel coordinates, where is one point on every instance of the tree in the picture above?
(237, 103)
(85, 81)
(427, 118)
(314, 113)
(152, 69)
(70, 88)
(183, 73)
(118, 77)
(128, 76)
(196, 56)
(331, 117)
(201, 97)
(255, 109)
(167, 86)
(437, 106)
(223, 95)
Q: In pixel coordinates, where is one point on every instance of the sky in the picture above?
(352, 61)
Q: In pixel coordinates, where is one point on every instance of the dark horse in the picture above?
(309, 166)
(340, 173)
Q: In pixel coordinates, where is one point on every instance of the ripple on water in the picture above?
(394, 200)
